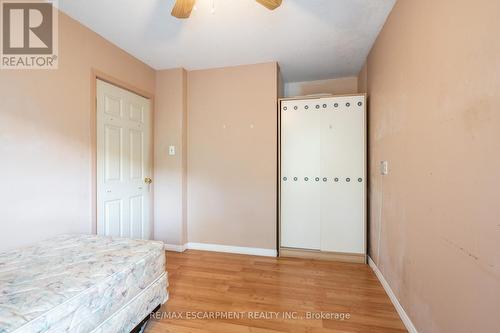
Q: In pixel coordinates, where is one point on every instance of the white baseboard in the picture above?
(253, 251)
(401, 311)
(175, 248)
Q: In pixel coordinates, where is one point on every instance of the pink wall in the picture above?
(339, 86)
(170, 171)
(433, 79)
(232, 121)
(220, 187)
(45, 168)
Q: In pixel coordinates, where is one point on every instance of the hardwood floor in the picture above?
(247, 287)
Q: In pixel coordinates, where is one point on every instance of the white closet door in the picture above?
(343, 165)
(300, 165)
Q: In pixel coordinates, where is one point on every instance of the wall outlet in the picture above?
(384, 168)
(171, 150)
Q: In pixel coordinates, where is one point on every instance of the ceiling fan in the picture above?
(182, 8)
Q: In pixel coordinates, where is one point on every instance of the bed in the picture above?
(81, 283)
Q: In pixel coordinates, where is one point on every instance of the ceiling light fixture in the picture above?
(182, 8)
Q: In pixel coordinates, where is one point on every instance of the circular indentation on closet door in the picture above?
(360, 180)
(336, 180)
(348, 180)
(285, 108)
(317, 179)
(317, 106)
(336, 105)
(295, 179)
(285, 179)
(348, 104)
(295, 107)
(325, 179)
(306, 107)
(324, 106)
(360, 103)
(306, 178)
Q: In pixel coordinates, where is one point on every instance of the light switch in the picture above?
(384, 168)
(171, 150)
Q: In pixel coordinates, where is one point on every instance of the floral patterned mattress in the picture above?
(81, 283)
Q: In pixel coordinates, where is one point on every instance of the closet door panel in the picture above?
(343, 166)
(300, 218)
(342, 224)
(300, 165)
(343, 137)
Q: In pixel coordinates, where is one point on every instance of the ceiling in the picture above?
(311, 39)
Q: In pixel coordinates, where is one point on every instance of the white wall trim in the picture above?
(253, 251)
(399, 308)
(175, 248)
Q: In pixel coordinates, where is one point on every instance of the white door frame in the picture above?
(98, 75)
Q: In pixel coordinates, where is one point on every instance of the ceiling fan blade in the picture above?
(270, 4)
(182, 8)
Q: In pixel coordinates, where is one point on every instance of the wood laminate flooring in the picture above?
(209, 290)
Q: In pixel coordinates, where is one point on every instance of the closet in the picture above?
(322, 154)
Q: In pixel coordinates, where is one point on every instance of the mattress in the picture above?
(81, 283)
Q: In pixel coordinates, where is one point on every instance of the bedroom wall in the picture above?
(433, 78)
(347, 85)
(232, 121)
(170, 179)
(45, 169)
(363, 79)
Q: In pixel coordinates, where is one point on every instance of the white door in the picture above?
(124, 163)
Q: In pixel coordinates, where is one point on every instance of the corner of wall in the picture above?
(363, 79)
(184, 152)
(281, 84)
(170, 171)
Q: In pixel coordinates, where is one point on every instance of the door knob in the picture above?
(148, 180)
